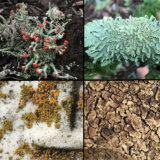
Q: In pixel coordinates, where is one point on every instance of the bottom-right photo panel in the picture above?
(122, 120)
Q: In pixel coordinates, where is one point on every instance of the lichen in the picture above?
(48, 107)
(7, 125)
(2, 94)
(33, 42)
(67, 106)
(1, 150)
(11, 158)
(134, 39)
(80, 103)
(45, 154)
(23, 149)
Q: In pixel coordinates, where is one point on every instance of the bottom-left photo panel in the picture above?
(41, 120)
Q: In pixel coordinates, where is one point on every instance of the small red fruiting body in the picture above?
(24, 55)
(60, 13)
(22, 33)
(34, 65)
(59, 47)
(26, 34)
(54, 39)
(57, 29)
(38, 71)
(46, 22)
(17, 9)
(45, 77)
(11, 12)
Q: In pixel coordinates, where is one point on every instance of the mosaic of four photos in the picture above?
(79, 80)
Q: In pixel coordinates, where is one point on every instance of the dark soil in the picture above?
(73, 34)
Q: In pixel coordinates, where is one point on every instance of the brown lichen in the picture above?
(122, 120)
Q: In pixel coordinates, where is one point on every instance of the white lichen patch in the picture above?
(39, 133)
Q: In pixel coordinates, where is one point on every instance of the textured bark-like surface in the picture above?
(122, 120)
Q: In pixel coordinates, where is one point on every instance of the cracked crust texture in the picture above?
(122, 120)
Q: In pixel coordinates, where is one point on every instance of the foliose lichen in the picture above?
(33, 43)
(134, 39)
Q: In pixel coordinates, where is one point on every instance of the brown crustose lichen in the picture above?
(122, 120)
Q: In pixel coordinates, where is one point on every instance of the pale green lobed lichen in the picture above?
(133, 39)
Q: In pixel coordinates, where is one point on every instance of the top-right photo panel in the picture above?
(121, 39)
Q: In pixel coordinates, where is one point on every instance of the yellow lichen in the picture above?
(7, 125)
(57, 126)
(26, 92)
(80, 103)
(62, 82)
(69, 136)
(34, 145)
(2, 95)
(51, 153)
(67, 106)
(1, 150)
(2, 83)
(47, 110)
(10, 158)
(7, 152)
(23, 148)
(72, 153)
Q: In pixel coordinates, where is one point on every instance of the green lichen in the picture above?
(26, 38)
(133, 39)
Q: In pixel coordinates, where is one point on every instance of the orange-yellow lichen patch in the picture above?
(72, 153)
(26, 92)
(51, 153)
(30, 117)
(62, 82)
(47, 110)
(10, 158)
(23, 148)
(80, 154)
(69, 136)
(2, 95)
(7, 125)
(67, 106)
(1, 150)
(2, 83)
(35, 154)
(7, 152)
(1, 134)
(80, 103)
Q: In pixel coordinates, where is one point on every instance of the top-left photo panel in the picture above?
(41, 40)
